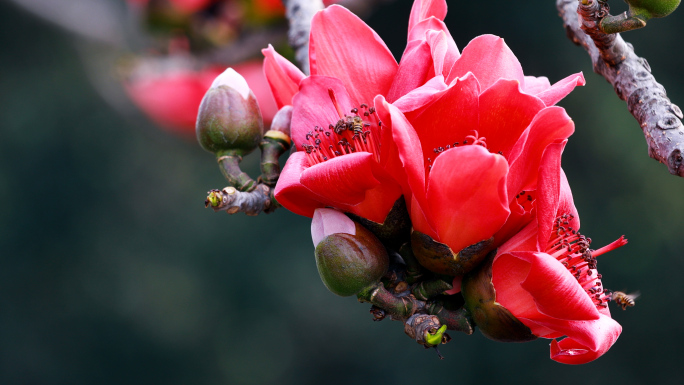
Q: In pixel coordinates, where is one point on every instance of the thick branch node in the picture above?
(233, 201)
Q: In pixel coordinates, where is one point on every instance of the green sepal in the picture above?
(349, 263)
(229, 124)
(396, 228)
(494, 321)
(439, 258)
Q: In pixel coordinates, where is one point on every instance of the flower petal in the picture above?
(450, 118)
(570, 351)
(422, 95)
(549, 187)
(290, 192)
(413, 70)
(489, 59)
(560, 89)
(343, 46)
(567, 204)
(505, 112)
(283, 77)
(466, 195)
(555, 291)
(314, 106)
(424, 9)
(328, 221)
(342, 180)
(550, 125)
(444, 49)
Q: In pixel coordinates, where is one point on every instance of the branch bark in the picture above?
(251, 203)
(631, 77)
(299, 13)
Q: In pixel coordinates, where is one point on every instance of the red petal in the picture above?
(289, 191)
(283, 77)
(567, 204)
(422, 95)
(450, 118)
(313, 106)
(444, 49)
(505, 112)
(548, 191)
(424, 9)
(560, 89)
(413, 70)
(489, 59)
(408, 148)
(550, 125)
(343, 46)
(605, 331)
(342, 180)
(556, 292)
(466, 195)
(535, 85)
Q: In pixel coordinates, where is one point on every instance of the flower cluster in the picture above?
(471, 144)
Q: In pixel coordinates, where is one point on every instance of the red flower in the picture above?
(440, 97)
(341, 159)
(172, 99)
(546, 276)
(471, 147)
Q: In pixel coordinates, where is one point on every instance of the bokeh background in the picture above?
(112, 271)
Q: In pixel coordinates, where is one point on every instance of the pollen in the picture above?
(358, 130)
(571, 248)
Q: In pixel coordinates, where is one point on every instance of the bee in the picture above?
(357, 125)
(623, 299)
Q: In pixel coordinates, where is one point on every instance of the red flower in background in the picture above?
(172, 99)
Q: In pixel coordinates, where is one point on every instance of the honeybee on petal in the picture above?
(624, 300)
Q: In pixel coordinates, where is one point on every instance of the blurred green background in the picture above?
(112, 271)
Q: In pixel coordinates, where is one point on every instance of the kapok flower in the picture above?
(546, 277)
(342, 159)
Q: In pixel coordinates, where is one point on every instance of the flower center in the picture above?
(572, 249)
(474, 139)
(351, 133)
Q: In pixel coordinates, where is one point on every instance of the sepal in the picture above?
(495, 321)
(439, 258)
(348, 263)
(229, 119)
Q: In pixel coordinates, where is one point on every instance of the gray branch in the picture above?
(233, 201)
(299, 13)
(630, 75)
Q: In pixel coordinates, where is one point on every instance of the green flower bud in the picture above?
(494, 321)
(439, 258)
(652, 8)
(229, 120)
(347, 261)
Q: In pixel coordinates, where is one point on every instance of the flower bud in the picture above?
(652, 8)
(439, 258)
(229, 120)
(348, 256)
(494, 321)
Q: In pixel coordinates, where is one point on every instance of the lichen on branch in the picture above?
(631, 77)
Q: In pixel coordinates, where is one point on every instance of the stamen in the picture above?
(351, 133)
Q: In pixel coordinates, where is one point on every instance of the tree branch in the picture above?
(299, 13)
(630, 75)
(233, 201)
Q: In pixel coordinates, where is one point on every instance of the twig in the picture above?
(299, 13)
(233, 201)
(630, 75)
